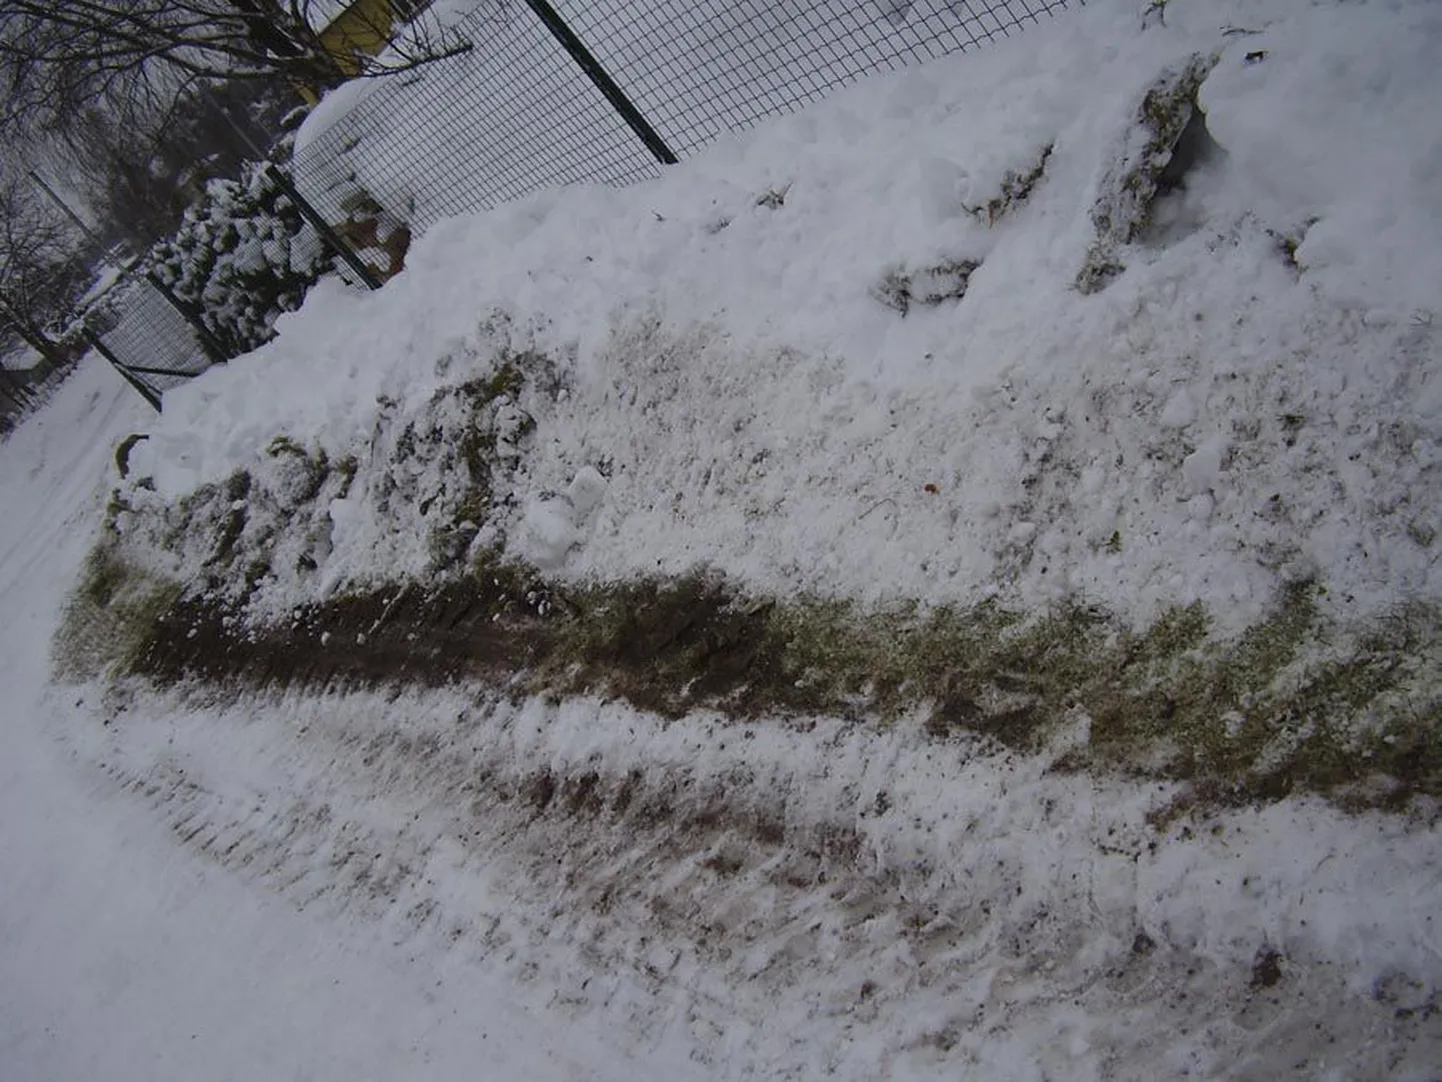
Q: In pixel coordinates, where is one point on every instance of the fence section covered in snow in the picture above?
(607, 90)
(601, 91)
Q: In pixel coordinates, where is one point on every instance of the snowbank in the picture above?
(125, 958)
(849, 354)
(1250, 398)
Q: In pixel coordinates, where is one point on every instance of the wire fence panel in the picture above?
(151, 340)
(512, 116)
(700, 70)
(518, 114)
(554, 93)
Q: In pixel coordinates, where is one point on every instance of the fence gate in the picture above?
(157, 340)
(149, 339)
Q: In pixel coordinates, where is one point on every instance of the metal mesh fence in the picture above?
(699, 70)
(142, 333)
(510, 117)
(518, 113)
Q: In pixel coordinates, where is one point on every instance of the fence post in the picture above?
(101, 348)
(314, 217)
(603, 81)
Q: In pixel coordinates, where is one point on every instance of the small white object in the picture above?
(586, 491)
(1202, 468)
(1179, 411)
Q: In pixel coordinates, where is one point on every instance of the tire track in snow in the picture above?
(788, 901)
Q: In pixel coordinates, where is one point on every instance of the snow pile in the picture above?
(577, 890)
(519, 115)
(127, 958)
(1343, 151)
(431, 486)
(1236, 405)
(850, 353)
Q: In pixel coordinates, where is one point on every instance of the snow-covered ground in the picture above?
(124, 955)
(436, 885)
(409, 883)
(1253, 401)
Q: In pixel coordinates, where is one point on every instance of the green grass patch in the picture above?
(1293, 704)
(108, 618)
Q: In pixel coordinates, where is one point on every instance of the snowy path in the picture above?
(812, 901)
(124, 956)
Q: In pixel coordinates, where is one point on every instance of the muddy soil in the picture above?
(668, 649)
(1225, 722)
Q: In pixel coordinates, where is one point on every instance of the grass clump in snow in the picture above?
(263, 535)
(929, 286)
(449, 461)
(1160, 146)
(671, 645)
(1293, 704)
(1016, 189)
(1290, 705)
(1280, 708)
(107, 618)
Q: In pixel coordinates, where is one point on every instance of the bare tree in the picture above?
(61, 57)
(40, 273)
(138, 178)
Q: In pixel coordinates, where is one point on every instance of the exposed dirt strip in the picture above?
(1290, 706)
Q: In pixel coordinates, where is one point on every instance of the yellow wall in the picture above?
(363, 28)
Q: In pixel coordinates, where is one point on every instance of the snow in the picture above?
(1364, 179)
(109, 275)
(125, 956)
(21, 359)
(336, 104)
(407, 883)
(992, 902)
(1231, 420)
(515, 114)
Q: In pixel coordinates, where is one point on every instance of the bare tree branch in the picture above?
(39, 273)
(59, 58)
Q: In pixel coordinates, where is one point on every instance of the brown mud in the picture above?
(1254, 720)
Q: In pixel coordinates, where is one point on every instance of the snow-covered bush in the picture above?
(242, 256)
